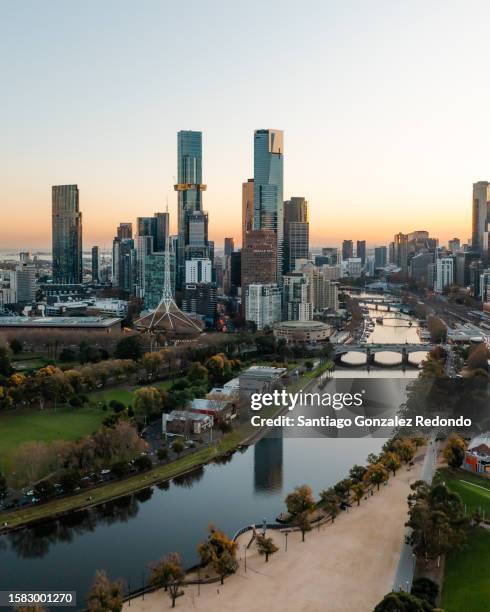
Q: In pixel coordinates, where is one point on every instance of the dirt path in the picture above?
(342, 567)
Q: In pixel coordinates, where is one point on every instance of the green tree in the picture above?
(178, 446)
(402, 602)
(358, 492)
(105, 595)
(129, 348)
(329, 501)
(356, 473)
(70, 480)
(197, 373)
(44, 489)
(5, 365)
(300, 500)
(142, 463)
(425, 589)
(266, 546)
(147, 402)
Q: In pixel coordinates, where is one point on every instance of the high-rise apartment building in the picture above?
(297, 305)
(25, 283)
(380, 257)
(198, 271)
(268, 187)
(401, 252)
(258, 260)
(444, 273)
(481, 215)
(263, 304)
(296, 232)
(189, 190)
(66, 235)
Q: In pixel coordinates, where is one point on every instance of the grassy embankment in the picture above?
(109, 491)
(466, 585)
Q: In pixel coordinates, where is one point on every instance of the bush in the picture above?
(121, 468)
(162, 453)
(76, 401)
(426, 589)
(117, 406)
(142, 463)
(67, 354)
(15, 346)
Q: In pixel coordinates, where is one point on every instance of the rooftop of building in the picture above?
(58, 322)
(302, 325)
(265, 372)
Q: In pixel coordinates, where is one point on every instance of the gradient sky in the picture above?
(385, 108)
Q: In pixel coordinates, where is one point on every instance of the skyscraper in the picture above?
(66, 235)
(296, 232)
(125, 231)
(347, 250)
(189, 189)
(481, 215)
(229, 246)
(361, 251)
(380, 257)
(95, 264)
(258, 259)
(268, 187)
(247, 207)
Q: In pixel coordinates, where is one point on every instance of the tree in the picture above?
(300, 500)
(477, 359)
(168, 574)
(343, 487)
(3, 486)
(402, 602)
(44, 490)
(219, 551)
(129, 348)
(303, 522)
(330, 502)
(358, 492)
(142, 463)
(197, 373)
(178, 446)
(152, 362)
(405, 449)
(70, 480)
(356, 473)
(376, 474)
(437, 329)
(5, 365)
(266, 546)
(162, 453)
(426, 589)
(392, 462)
(15, 346)
(454, 451)
(147, 401)
(105, 595)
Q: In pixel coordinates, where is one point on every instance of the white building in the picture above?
(332, 272)
(263, 304)
(444, 273)
(485, 285)
(352, 267)
(198, 271)
(297, 305)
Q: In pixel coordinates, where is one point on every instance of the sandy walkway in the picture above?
(343, 567)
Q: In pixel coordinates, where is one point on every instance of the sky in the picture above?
(385, 108)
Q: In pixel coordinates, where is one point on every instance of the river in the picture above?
(123, 536)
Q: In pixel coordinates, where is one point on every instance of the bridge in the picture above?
(370, 350)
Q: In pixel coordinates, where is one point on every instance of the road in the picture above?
(406, 566)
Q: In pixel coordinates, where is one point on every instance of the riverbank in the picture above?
(350, 564)
(245, 434)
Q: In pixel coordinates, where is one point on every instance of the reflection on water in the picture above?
(268, 464)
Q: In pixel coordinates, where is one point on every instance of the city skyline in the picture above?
(392, 138)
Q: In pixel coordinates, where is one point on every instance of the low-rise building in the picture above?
(260, 379)
(477, 457)
(219, 408)
(186, 423)
(310, 332)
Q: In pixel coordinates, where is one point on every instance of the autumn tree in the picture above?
(219, 552)
(148, 401)
(300, 500)
(266, 546)
(105, 595)
(168, 574)
(303, 522)
(392, 462)
(358, 491)
(330, 501)
(376, 474)
(454, 451)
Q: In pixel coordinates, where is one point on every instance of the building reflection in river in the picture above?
(268, 458)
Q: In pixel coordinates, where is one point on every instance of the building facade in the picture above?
(263, 304)
(66, 235)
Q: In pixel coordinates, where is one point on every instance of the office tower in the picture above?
(444, 273)
(67, 235)
(200, 299)
(25, 283)
(229, 246)
(162, 231)
(481, 214)
(95, 264)
(380, 257)
(347, 250)
(296, 232)
(198, 271)
(297, 306)
(125, 231)
(361, 251)
(419, 267)
(268, 187)
(454, 245)
(154, 277)
(247, 207)
(263, 304)
(391, 253)
(189, 190)
(259, 258)
(146, 226)
(401, 252)
(197, 245)
(235, 272)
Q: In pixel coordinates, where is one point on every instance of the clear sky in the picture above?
(385, 108)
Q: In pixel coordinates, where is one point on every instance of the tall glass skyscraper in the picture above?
(66, 235)
(189, 189)
(268, 187)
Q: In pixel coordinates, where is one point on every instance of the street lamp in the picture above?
(286, 533)
(245, 549)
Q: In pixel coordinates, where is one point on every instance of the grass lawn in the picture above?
(466, 579)
(474, 490)
(124, 394)
(47, 425)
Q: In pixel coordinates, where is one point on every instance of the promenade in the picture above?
(347, 566)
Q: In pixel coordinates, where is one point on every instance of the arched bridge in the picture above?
(370, 350)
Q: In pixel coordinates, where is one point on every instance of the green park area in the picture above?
(466, 578)
(26, 425)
